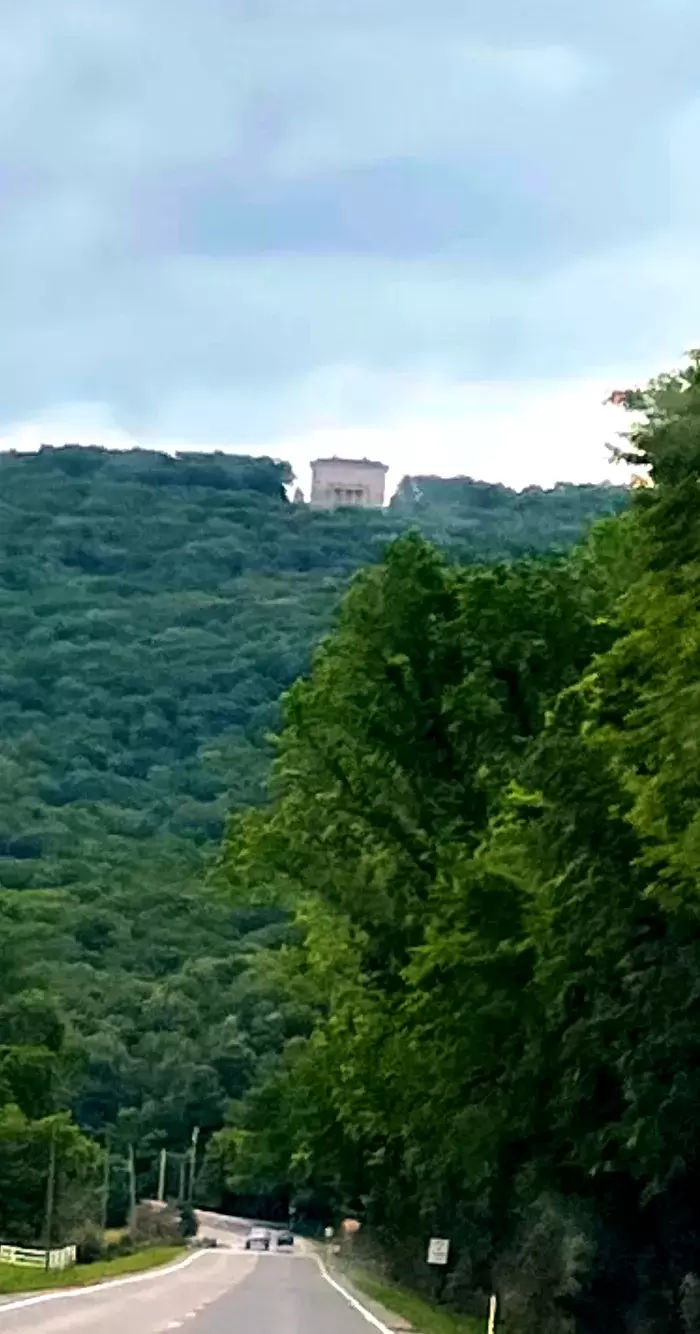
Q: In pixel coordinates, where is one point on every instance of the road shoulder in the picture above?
(345, 1277)
(417, 1316)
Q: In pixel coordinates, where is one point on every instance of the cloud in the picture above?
(247, 221)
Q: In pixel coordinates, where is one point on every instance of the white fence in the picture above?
(33, 1258)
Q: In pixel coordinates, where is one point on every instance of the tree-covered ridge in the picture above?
(485, 822)
(567, 505)
(153, 610)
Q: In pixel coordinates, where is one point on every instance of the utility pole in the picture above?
(181, 1192)
(105, 1186)
(132, 1182)
(193, 1162)
(50, 1194)
(161, 1174)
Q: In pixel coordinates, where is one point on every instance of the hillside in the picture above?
(153, 611)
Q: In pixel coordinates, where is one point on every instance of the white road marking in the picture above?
(66, 1293)
(352, 1301)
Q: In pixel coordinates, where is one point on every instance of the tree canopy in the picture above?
(483, 819)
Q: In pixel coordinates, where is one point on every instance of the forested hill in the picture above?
(153, 610)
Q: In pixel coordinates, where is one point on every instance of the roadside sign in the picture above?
(438, 1250)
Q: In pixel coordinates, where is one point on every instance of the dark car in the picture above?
(285, 1239)
(258, 1239)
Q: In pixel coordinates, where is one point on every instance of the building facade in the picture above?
(336, 482)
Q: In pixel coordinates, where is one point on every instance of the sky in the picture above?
(434, 232)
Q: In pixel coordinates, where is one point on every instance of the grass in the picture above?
(15, 1278)
(424, 1317)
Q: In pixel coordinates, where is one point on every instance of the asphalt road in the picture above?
(223, 1291)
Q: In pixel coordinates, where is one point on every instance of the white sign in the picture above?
(438, 1250)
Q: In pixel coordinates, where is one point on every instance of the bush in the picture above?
(188, 1221)
(150, 1225)
(90, 1244)
(125, 1246)
(542, 1275)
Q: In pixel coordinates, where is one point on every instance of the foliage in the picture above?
(189, 1224)
(153, 611)
(90, 1244)
(24, 1165)
(541, 1276)
(484, 819)
(150, 1225)
(38, 1067)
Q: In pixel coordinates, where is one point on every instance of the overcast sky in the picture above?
(433, 231)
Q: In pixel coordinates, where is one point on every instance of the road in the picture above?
(222, 1291)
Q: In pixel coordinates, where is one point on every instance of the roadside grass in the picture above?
(425, 1318)
(15, 1278)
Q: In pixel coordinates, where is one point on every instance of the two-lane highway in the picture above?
(223, 1291)
(283, 1295)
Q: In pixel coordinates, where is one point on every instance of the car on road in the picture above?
(258, 1239)
(285, 1238)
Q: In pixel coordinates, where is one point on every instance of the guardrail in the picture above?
(34, 1258)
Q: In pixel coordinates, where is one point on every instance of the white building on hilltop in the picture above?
(336, 482)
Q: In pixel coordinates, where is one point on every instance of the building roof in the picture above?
(368, 463)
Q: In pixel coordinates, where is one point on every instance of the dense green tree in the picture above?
(391, 763)
(25, 1149)
(39, 1072)
(484, 818)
